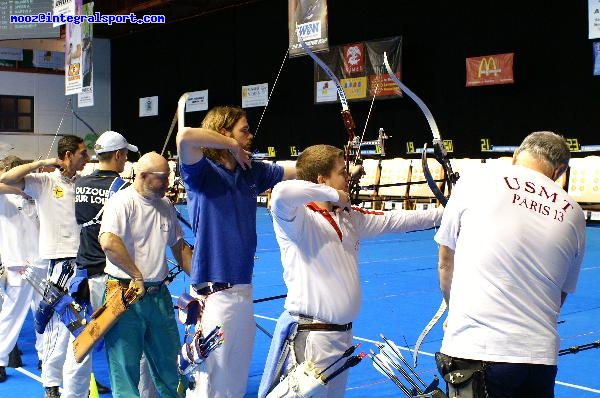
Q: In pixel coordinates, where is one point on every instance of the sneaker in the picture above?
(52, 392)
(102, 389)
(2, 374)
(14, 358)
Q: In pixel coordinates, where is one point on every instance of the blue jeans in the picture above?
(520, 380)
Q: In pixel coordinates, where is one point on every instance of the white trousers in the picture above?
(20, 297)
(59, 365)
(323, 349)
(224, 374)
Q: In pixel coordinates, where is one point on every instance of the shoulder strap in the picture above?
(115, 186)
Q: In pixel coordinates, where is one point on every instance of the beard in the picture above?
(248, 146)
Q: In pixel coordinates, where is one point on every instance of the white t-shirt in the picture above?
(55, 198)
(319, 249)
(19, 232)
(519, 241)
(146, 228)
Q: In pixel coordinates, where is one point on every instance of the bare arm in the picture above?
(183, 255)
(16, 175)
(445, 270)
(9, 189)
(190, 142)
(289, 173)
(117, 253)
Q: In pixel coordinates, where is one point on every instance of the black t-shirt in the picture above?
(90, 193)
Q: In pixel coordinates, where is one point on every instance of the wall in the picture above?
(49, 107)
(554, 88)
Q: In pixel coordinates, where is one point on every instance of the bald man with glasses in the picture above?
(138, 224)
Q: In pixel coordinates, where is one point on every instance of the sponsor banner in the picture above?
(596, 58)
(73, 53)
(65, 7)
(326, 91)
(11, 54)
(354, 58)
(360, 69)
(355, 87)
(490, 69)
(255, 95)
(49, 59)
(307, 19)
(382, 85)
(594, 19)
(149, 106)
(197, 101)
(86, 97)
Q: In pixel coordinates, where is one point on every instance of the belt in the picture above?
(323, 327)
(208, 288)
(149, 287)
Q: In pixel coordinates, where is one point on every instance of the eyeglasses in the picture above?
(160, 174)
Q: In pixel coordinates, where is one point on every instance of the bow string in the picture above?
(451, 177)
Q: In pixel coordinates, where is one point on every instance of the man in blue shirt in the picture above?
(222, 184)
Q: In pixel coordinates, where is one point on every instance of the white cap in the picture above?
(112, 141)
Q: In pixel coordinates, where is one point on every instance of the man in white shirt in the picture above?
(54, 194)
(511, 246)
(18, 218)
(137, 226)
(319, 252)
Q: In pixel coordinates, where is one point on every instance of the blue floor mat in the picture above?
(400, 295)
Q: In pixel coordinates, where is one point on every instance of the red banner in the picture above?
(354, 58)
(490, 69)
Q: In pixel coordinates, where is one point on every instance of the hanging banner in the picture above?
(73, 52)
(308, 19)
(354, 87)
(353, 56)
(359, 68)
(490, 69)
(149, 106)
(255, 95)
(596, 58)
(326, 91)
(64, 7)
(86, 97)
(594, 19)
(197, 101)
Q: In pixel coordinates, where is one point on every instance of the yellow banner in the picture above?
(355, 87)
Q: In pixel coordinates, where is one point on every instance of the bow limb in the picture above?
(346, 115)
(438, 146)
(436, 317)
(84, 122)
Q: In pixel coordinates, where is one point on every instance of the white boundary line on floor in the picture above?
(28, 373)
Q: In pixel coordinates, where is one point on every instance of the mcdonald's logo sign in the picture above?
(490, 69)
(488, 66)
